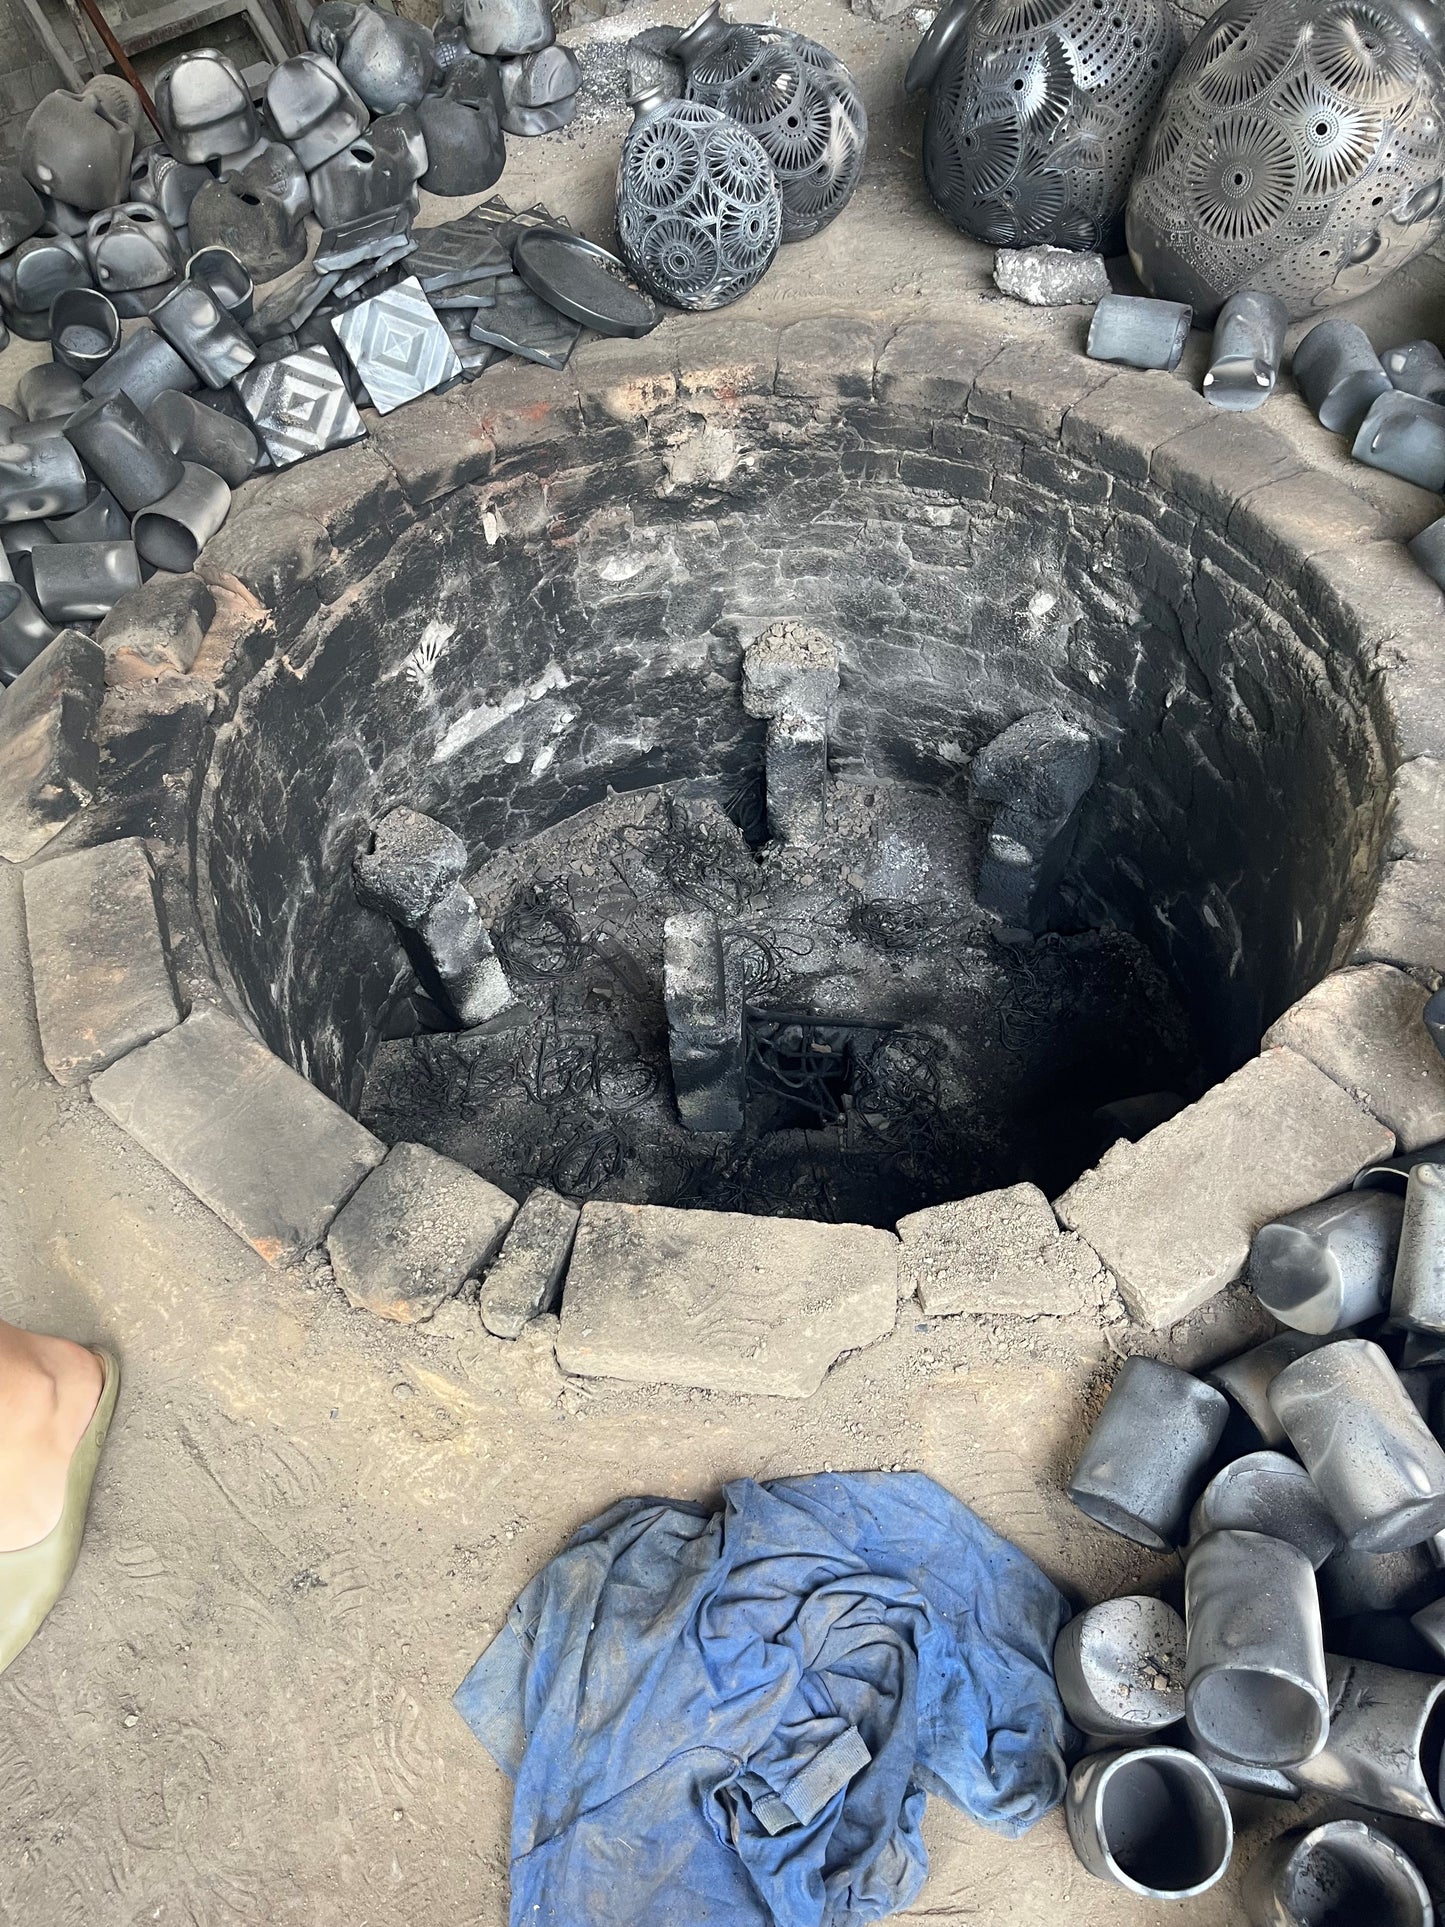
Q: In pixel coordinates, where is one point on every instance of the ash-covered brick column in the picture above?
(704, 1024)
(413, 875)
(790, 676)
(1033, 778)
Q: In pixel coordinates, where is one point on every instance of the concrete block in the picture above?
(704, 1025)
(270, 1155)
(1000, 1251)
(1363, 1028)
(416, 1229)
(413, 862)
(722, 1301)
(1033, 777)
(49, 744)
(1173, 1215)
(99, 957)
(526, 1278)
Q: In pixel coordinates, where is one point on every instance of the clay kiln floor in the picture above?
(307, 1525)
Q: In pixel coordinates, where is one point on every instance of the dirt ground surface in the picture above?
(307, 1524)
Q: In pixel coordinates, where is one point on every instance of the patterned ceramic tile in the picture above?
(397, 346)
(299, 405)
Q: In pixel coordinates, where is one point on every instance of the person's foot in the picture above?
(49, 1389)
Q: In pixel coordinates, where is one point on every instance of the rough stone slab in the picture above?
(158, 628)
(1363, 1028)
(722, 1301)
(1122, 422)
(932, 366)
(526, 1278)
(1300, 515)
(622, 381)
(49, 743)
(1047, 277)
(1406, 922)
(790, 669)
(99, 957)
(271, 1156)
(828, 359)
(351, 491)
(726, 357)
(273, 553)
(1370, 599)
(435, 444)
(1031, 385)
(1173, 1215)
(1212, 465)
(520, 405)
(1001, 1251)
(417, 1228)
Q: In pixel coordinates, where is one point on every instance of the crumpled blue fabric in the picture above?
(731, 1719)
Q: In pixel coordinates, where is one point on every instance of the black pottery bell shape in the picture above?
(1037, 110)
(1299, 151)
(795, 98)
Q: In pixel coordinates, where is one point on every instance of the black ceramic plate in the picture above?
(584, 282)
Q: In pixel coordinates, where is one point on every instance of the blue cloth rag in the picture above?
(731, 1719)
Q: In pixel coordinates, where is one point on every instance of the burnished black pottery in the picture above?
(1298, 151)
(1036, 113)
(699, 212)
(795, 97)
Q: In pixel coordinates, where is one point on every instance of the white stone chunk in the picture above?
(1050, 277)
(720, 1300)
(1173, 1215)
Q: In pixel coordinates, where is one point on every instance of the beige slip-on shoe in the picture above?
(33, 1577)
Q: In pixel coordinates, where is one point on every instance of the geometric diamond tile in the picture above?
(299, 405)
(473, 245)
(396, 345)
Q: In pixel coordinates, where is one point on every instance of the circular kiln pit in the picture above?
(523, 609)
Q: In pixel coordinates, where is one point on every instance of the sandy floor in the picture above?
(307, 1524)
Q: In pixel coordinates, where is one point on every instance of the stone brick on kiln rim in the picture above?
(265, 1150)
(933, 367)
(1032, 385)
(49, 743)
(1363, 1028)
(436, 444)
(832, 357)
(1174, 1214)
(527, 1275)
(727, 358)
(720, 1300)
(1122, 422)
(1211, 465)
(1000, 1251)
(414, 1231)
(1406, 921)
(99, 957)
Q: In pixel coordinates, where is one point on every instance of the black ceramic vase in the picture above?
(1299, 151)
(699, 213)
(1037, 110)
(796, 98)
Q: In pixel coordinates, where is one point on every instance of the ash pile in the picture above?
(1303, 1481)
